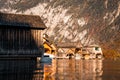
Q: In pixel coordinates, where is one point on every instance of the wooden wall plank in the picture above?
(20, 41)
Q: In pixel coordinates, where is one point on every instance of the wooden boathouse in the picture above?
(21, 35)
(49, 46)
(69, 48)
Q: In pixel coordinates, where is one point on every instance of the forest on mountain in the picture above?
(98, 20)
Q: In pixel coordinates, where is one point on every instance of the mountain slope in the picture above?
(87, 21)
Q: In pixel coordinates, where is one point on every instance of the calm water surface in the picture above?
(60, 69)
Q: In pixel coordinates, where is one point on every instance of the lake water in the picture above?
(60, 69)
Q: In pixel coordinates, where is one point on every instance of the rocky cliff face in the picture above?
(87, 21)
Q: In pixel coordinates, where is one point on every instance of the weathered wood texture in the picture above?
(20, 41)
(21, 37)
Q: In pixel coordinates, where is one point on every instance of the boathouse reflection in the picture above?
(60, 69)
(79, 69)
(20, 70)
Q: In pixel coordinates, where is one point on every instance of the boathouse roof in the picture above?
(21, 21)
(69, 45)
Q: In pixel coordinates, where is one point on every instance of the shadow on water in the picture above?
(20, 70)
